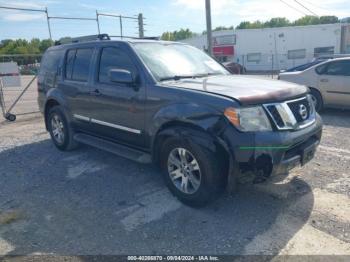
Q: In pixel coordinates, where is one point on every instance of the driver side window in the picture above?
(338, 68)
(114, 58)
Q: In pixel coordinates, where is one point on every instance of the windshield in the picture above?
(176, 61)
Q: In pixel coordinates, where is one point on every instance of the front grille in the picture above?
(295, 108)
(291, 115)
(275, 115)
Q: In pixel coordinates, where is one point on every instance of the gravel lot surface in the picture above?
(89, 202)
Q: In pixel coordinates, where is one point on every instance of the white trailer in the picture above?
(281, 47)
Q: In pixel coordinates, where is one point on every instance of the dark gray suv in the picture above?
(173, 105)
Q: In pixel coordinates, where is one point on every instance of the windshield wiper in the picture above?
(178, 77)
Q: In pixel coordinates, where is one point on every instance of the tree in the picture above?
(177, 35)
(277, 22)
(307, 20)
(250, 25)
(329, 19)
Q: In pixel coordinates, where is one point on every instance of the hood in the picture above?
(247, 90)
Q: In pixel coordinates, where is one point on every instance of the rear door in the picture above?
(119, 109)
(78, 63)
(334, 81)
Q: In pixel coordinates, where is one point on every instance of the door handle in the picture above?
(96, 92)
(324, 80)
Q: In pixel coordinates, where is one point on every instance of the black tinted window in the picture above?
(82, 64)
(69, 63)
(113, 58)
(340, 68)
(50, 61)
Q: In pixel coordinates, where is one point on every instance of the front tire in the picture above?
(191, 172)
(60, 131)
(317, 99)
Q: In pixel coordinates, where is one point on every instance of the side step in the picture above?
(114, 148)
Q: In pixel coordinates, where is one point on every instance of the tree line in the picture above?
(23, 47)
(273, 22)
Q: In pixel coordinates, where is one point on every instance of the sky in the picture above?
(160, 15)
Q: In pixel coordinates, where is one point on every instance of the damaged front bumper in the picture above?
(273, 152)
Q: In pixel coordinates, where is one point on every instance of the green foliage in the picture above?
(220, 28)
(177, 35)
(24, 47)
(281, 21)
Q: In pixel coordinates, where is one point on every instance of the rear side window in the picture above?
(113, 58)
(78, 63)
(51, 61)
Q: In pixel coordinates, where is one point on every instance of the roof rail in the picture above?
(134, 37)
(69, 40)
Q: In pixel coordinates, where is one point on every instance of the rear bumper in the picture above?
(267, 153)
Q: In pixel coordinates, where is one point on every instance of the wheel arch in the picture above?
(50, 103)
(192, 133)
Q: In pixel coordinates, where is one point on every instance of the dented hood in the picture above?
(247, 90)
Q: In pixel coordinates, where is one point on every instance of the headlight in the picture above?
(248, 118)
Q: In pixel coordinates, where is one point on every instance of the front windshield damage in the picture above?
(177, 61)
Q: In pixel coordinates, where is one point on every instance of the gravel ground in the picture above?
(89, 202)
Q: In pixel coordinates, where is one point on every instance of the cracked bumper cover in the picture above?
(273, 152)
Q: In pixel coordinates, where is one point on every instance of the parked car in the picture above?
(328, 81)
(235, 68)
(303, 66)
(173, 105)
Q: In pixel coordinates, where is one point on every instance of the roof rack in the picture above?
(69, 40)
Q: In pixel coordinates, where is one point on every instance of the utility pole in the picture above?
(209, 33)
(141, 30)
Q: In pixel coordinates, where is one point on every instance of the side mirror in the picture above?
(120, 76)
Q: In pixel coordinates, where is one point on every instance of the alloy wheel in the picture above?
(57, 127)
(184, 170)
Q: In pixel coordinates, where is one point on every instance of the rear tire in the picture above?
(204, 182)
(317, 99)
(60, 130)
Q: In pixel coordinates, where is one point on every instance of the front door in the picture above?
(335, 83)
(118, 108)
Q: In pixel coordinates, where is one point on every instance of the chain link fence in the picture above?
(19, 97)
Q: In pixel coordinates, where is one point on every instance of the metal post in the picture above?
(2, 101)
(272, 65)
(121, 26)
(141, 30)
(209, 33)
(98, 23)
(48, 22)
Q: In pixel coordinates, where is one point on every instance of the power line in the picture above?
(293, 7)
(305, 7)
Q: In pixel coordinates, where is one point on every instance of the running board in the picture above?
(114, 148)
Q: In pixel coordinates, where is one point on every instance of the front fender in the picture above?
(202, 117)
(199, 124)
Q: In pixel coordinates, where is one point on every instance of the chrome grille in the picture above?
(293, 114)
(295, 107)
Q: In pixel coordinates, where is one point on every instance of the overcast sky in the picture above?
(161, 15)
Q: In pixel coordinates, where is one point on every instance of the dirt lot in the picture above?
(90, 202)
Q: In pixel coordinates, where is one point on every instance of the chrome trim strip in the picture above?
(136, 131)
(84, 118)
